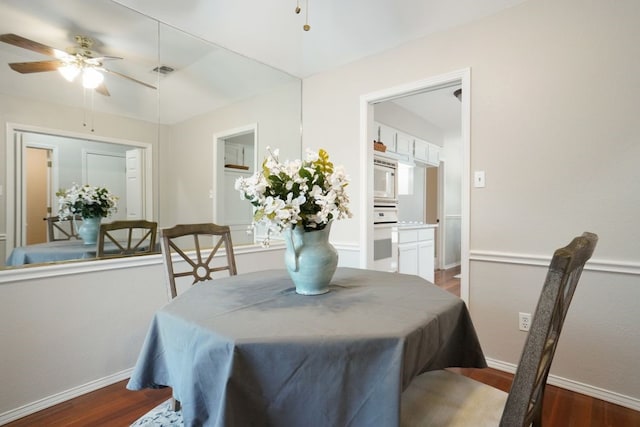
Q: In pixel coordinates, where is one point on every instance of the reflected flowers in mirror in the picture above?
(86, 201)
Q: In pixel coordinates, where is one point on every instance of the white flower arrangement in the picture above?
(86, 201)
(297, 193)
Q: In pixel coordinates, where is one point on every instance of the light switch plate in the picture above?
(478, 179)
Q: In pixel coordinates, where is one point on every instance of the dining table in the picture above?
(247, 350)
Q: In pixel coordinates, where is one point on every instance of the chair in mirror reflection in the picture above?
(125, 238)
(443, 398)
(62, 229)
(190, 250)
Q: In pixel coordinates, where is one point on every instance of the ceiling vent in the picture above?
(164, 70)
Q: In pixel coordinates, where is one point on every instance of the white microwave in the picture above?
(385, 181)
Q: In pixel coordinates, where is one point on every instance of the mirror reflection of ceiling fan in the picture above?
(76, 61)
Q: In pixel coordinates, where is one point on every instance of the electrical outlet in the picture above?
(524, 321)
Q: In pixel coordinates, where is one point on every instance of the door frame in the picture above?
(462, 77)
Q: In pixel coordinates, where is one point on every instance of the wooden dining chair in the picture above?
(128, 237)
(442, 398)
(197, 246)
(59, 229)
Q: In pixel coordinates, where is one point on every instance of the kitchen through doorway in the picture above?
(429, 191)
(453, 171)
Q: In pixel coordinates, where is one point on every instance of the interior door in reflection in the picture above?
(108, 170)
(37, 193)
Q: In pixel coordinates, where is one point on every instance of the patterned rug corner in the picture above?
(160, 416)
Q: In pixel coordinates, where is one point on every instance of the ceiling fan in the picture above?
(75, 61)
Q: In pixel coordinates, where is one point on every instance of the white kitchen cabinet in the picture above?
(425, 255)
(404, 144)
(408, 259)
(426, 152)
(387, 135)
(434, 155)
(409, 147)
(416, 251)
(421, 150)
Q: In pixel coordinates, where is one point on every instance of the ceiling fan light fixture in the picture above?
(69, 72)
(91, 78)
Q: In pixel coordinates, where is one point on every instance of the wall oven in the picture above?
(385, 181)
(385, 246)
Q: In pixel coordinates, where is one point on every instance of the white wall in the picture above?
(554, 90)
(186, 157)
(64, 335)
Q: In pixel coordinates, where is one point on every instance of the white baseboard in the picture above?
(63, 396)
(448, 266)
(575, 386)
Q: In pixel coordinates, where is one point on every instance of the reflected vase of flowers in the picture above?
(92, 204)
(89, 230)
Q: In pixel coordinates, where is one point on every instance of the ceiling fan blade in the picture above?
(36, 66)
(106, 57)
(102, 90)
(24, 43)
(130, 78)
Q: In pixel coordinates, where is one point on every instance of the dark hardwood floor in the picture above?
(116, 406)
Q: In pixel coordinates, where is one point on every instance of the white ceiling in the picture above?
(438, 107)
(267, 31)
(341, 30)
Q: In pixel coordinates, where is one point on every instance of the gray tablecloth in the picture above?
(62, 250)
(249, 351)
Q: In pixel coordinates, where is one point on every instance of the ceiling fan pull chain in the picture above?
(307, 27)
(297, 7)
(84, 107)
(92, 109)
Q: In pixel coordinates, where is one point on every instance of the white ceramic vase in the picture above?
(310, 259)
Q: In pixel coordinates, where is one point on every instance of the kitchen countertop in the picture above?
(413, 225)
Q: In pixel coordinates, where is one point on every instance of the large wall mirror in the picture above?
(196, 115)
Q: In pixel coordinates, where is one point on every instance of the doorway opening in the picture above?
(235, 156)
(38, 192)
(461, 79)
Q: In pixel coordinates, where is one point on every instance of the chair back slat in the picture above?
(62, 229)
(524, 403)
(172, 242)
(140, 238)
